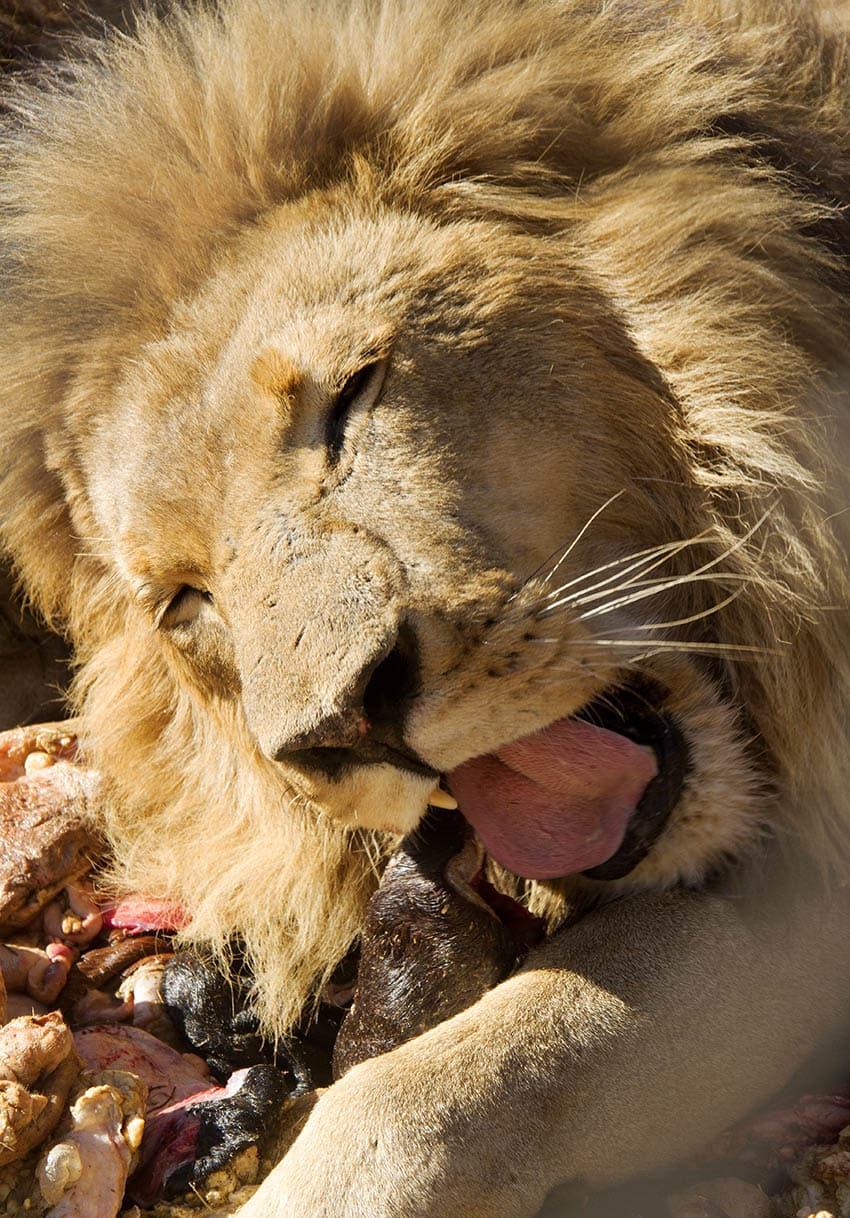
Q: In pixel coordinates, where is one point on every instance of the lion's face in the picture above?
(408, 494)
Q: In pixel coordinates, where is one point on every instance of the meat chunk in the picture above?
(47, 834)
(38, 1067)
(101, 964)
(167, 1074)
(41, 973)
(33, 1046)
(50, 741)
(197, 1135)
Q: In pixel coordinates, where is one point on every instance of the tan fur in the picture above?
(602, 248)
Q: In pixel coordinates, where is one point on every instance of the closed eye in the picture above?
(360, 390)
(184, 607)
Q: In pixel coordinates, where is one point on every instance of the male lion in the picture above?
(393, 390)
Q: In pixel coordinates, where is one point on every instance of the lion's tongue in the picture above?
(555, 802)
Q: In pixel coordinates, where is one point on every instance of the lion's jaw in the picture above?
(473, 530)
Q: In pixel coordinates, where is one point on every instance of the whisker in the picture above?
(669, 549)
(677, 645)
(639, 558)
(691, 577)
(658, 585)
(582, 532)
(695, 617)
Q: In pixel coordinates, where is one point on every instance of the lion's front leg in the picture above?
(626, 1043)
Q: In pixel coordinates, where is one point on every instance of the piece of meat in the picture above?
(47, 834)
(85, 1171)
(167, 1074)
(137, 914)
(41, 973)
(431, 945)
(33, 1046)
(101, 964)
(49, 741)
(192, 1130)
(84, 1005)
(38, 1067)
(171, 1081)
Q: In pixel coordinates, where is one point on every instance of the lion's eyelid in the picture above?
(183, 607)
(361, 388)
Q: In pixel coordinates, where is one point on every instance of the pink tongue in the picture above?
(555, 802)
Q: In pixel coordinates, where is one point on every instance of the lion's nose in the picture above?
(372, 708)
(315, 619)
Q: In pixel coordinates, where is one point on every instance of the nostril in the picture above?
(392, 683)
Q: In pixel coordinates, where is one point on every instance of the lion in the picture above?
(411, 403)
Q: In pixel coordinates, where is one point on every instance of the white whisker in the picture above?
(658, 585)
(639, 558)
(670, 549)
(677, 645)
(691, 577)
(695, 617)
(582, 532)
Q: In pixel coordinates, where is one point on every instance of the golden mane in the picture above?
(696, 158)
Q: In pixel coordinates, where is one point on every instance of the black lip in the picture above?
(636, 711)
(334, 763)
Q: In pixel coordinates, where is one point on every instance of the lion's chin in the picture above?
(378, 796)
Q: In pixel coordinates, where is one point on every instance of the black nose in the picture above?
(392, 685)
(375, 708)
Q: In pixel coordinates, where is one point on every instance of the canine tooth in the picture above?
(441, 799)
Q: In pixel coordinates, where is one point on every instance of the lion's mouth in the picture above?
(590, 793)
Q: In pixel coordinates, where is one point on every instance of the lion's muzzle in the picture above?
(313, 618)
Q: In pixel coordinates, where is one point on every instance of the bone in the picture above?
(85, 1171)
(141, 989)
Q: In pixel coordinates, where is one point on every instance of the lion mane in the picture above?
(128, 171)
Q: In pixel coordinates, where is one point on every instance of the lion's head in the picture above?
(404, 392)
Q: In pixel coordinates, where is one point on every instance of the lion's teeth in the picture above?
(441, 799)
